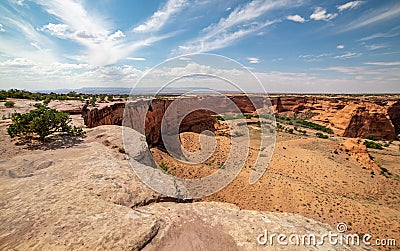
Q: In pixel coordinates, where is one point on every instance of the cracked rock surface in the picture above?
(88, 197)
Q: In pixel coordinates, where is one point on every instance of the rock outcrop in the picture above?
(362, 121)
(348, 117)
(107, 115)
(394, 114)
(88, 197)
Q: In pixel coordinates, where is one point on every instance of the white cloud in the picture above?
(348, 55)
(376, 16)
(383, 63)
(349, 5)
(116, 35)
(135, 59)
(18, 63)
(240, 22)
(253, 60)
(220, 40)
(315, 58)
(321, 14)
(56, 29)
(340, 46)
(376, 46)
(162, 16)
(92, 32)
(36, 46)
(19, 2)
(1, 28)
(296, 18)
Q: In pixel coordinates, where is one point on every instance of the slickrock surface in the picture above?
(87, 197)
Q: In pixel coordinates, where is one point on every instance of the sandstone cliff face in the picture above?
(108, 115)
(348, 117)
(394, 114)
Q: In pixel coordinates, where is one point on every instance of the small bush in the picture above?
(336, 151)
(9, 104)
(322, 136)
(3, 96)
(372, 144)
(163, 167)
(121, 150)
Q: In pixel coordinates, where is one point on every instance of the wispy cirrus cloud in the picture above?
(397, 63)
(161, 16)
(375, 16)
(242, 21)
(394, 32)
(349, 5)
(372, 47)
(2, 29)
(348, 55)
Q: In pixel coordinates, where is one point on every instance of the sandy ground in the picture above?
(307, 177)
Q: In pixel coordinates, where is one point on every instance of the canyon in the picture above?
(84, 194)
(363, 117)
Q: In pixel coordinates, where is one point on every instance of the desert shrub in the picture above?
(9, 104)
(121, 150)
(41, 122)
(384, 170)
(102, 97)
(3, 95)
(93, 101)
(336, 151)
(373, 138)
(321, 135)
(238, 134)
(163, 166)
(372, 144)
(47, 101)
(289, 130)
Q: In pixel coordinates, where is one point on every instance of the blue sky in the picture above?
(290, 45)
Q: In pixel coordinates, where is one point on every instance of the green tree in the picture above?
(41, 122)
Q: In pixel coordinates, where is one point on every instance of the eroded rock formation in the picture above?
(347, 116)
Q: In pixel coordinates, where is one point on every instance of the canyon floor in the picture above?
(83, 194)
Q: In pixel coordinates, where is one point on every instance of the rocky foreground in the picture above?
(87, 197)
